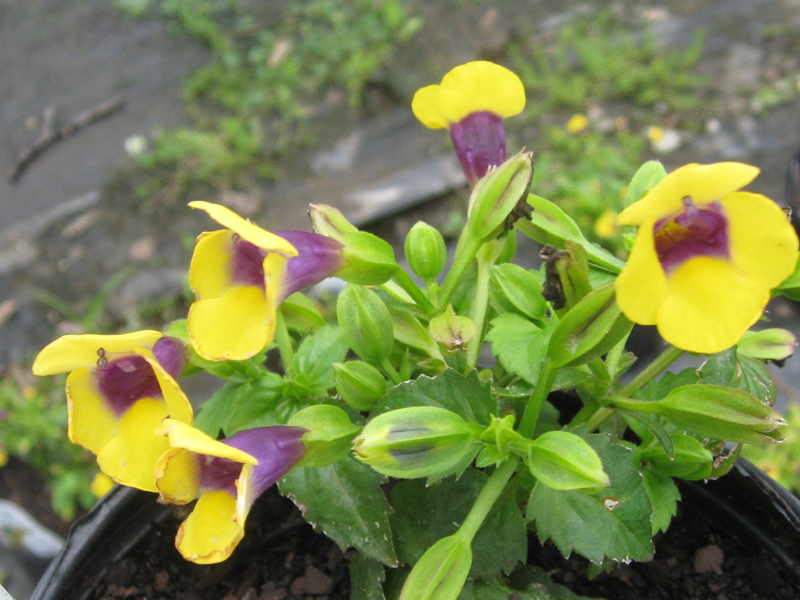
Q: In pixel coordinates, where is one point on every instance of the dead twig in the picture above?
(50, 136)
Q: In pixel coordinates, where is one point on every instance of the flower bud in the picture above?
(441, 572)
(328, 221)
(589, 330)
(359, 384)
(499, 195)
(409, 331)
(689, 460)
(420, 441)
(515, 290)
(768, 344)
(368, 260)
(564, 461)
(366, 323)
(425, 251)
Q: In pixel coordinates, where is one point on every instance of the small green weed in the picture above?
(34, 430)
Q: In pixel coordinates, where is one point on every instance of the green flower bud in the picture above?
(328, 221)
(564, 461)
(499, 198)
(690, 459)
(420, 441)
(425, 251)
(441, 572)
(714, 411)
(329, 436)
(409, 331)
(301, 313)
(589, 330)
(368, 260)
(359, 384)
(767, 344)
(365, 322)
(515, 290)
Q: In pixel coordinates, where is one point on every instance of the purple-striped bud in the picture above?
(318, 258)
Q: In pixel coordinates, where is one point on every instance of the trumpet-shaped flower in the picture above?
(226, 477)
(119, 388)
(471, 102)
(705, 257)
(241, 274)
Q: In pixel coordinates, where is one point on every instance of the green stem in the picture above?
(411, 288)
(391, 372)
(460, 265)
(660, 364)
(479, 309)
(487, 497)
(546, 379)
(284, 341)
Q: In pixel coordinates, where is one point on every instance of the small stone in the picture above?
(708, 559)
(162, 581)
(142, 249)
(317, 582)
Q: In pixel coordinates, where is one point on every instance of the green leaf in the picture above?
(425, 514)
(313, 363)
(664, 496)
(657, 390)
(465, 396)
(260, 403)
(346, 502)
(512, 289)
(645, 179)
(520, 345)
(366, 576)
(620, 515)
(755, 379)
(215, 412)
(720, 368)
(301, 314)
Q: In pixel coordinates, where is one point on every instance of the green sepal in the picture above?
(589, 330)
(564, 461)
(369, 260)
(513, 289)
(409, 331)
(689, 460)
(453, 331)
(359, 384)
(329, 435)
(441, 572)
(329, 221)
(366, 323)
(301, 314)
(767, 344)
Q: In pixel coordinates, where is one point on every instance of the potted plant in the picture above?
(387, 427)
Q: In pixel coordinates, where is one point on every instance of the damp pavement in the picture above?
(72, 221)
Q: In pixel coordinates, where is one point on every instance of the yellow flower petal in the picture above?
(247, 230)
(178, 405)
(178, 476)
(184, 436)
(235, 326)
(72, 351)
(642, 285)
(130, 457)
(703, 183)
(468, 88)
(101, 485)
(210, 269)
(211, 532)
(710, 305)
(245, 495)
(763, 242)
(92, 423)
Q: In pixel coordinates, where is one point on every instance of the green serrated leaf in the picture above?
(620, 515)
(313, 362)
(720, 368)
(754, 378)
(346, 502)
(366, 577)
(657, 390)
(520, 345)
(260, 403)
(664, 496)
(215, 412)
(465, 396)
(502, 541)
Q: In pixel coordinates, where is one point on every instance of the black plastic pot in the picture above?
(746, 502)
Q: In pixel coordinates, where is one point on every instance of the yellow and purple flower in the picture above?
(471, 102)
(705, 257)
(226, 477)
(119, 389)
(241, 274)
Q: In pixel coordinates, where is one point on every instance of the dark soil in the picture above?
(280, 558)
(694, 560)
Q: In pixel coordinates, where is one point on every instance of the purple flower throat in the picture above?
(691, 233)
(125, 380)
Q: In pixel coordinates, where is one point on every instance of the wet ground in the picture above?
(71, 221)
